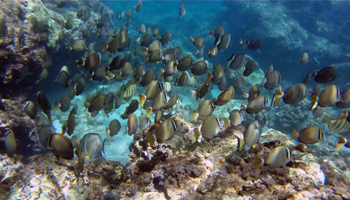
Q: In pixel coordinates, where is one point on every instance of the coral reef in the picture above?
(207, 170)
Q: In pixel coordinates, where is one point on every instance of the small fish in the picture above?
(329, 96)
(272, 80)
(92, 146)
(165, 38)
(345, 99)
(185, 63)
(141, 29)
(210, 127)
(225, 96)
(318, 112)
(144, 121)
(61, 146)
(338, 125)
(156, 32)
(256, 105)
(153, 89)
(244, 43)
(114, 128)
(158, 117)
(199, 52)
(170, 68)
(277, 98)
(147, 78)
(159, 101)
(166, 130)
(224, 42)
(70, 124)
(254, 92)
(199, 68)
(217, 73)
(205, 108)
(239, 83)
(251, 136)
(133, 124)
(304, 58)
(254, 45)
(97, 103)
(44, 104)
(133, 106)
(309, 135)
(182, 9)
(63, 78)
(80, 86)
(248, 68)
(343, 142)
(120, 16)
(90, 62)
(223, 84)
(64, 103)
(236, 117)
(78, 46)
(138, 6)
(75, 141)
(277, 157)
(213, 52)
(308, 77)
(42, 135)
(129, 92)
(291, 95)
(218, 32)
(237, 61)
(30, 109)
(69, 23)
(198, 41)
(326, 75)
(10, 143)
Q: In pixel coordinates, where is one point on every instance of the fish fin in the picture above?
(243, 107)
(344, 114)
(326, 119)
(5, 100)
(313, 103)
(245, 95)
(211, 32)
(148, 111)
(226, 122)
(209, 77)
(196, 135)
(195, 116)
(88, 157)
(142, 99)
(144, 50)
(57, 105)
(104, 47)
(64, 129)
(279, 93)
(263, 81)
(150, 139)
(254, 146)
(70, 84)
(341, 142)
(208, 52)
(196, 52)
(295, 134)
(191, 39)
(257, 162)
(80, 63)
(193, 93)
(107, 132)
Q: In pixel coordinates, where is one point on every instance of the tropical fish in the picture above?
(114, 128)
(277, 157)
(182, 9)
(338, 125)
(309, 135)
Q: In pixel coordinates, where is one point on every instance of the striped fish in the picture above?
(338, 125)
(131, 90)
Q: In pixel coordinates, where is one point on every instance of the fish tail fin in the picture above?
(208, 52)
(148, 111)
(326, 119)
(104, 47)
(341, 142)
(57, 105)
(195, 116)
(70, 84)
(210, 76)
(344, 114)
(5, 100)
(257, 162)
(150, 139)
(313, 103)
(263, 81)
(144, 50)
(191, 39)
(80, 63)
(142, 99)
(279, 93)
(226, 122)
(243, 107)
(211, 32)
(107, 132)
(196, 135)
(197, 52)
(295, 134)
(193, 93)
(64, 129)
(245, 95)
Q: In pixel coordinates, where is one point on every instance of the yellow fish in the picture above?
(131, 90)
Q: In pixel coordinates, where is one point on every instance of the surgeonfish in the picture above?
(329, 96)
(326, 75)
(309, 135)
(61, 146)
(205, 108)
(338, 125)
(277, 157)
(236, 117)
(254, 44)
(92, 146)
(224, 42)
(166, 130)
(10, 143)
(256, 105)
(114, 128)
(251, 136)
(133, 124)
(64, 103)
(182, 9)
(210, 127)
(304, 58)
(198, 41)
(42, 135)
(225, 96)
(343, 142)
(237, 61)
(272, 80)
(277, 97)
(30, 109)
(345, 99)
(248, 68)
(44, 104)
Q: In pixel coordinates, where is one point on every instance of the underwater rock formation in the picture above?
(207, 170)
(31, 34)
